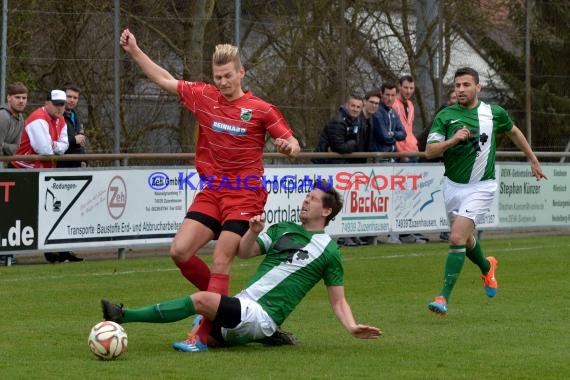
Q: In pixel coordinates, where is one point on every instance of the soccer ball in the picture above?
(107, 340)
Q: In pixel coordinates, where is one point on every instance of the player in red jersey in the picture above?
(232, 128)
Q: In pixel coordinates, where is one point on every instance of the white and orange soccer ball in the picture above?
(107, 340)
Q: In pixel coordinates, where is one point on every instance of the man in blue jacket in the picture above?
(387, 127)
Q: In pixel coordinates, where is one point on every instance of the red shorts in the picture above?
(229, 204)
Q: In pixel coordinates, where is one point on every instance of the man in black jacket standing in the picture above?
(75, 131)
(342, 133)
(345, 133)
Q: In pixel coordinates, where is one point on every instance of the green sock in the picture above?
(478, 258)
(165, 312)
(453, 266)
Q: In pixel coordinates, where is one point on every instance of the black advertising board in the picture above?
(18, 211)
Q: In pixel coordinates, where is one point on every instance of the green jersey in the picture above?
(295, 261)
(473, 160)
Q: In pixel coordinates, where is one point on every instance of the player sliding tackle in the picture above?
(297, 257)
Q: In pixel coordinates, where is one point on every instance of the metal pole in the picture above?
(527, 73)
(426, 40)
(566, 150)
(3, 53)
(237, 22)
(342, 60)
(117, 92)
(116, 75)
(439, 71)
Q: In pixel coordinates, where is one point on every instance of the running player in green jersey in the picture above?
(466, 135)
(296, 258)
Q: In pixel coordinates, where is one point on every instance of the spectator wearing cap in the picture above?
(45, 132)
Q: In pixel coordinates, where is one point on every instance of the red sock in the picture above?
(204, 330)
(196, 271)
(219, 283)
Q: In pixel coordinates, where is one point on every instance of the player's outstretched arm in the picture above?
(153, 71)
(343, 312)
(520, 141)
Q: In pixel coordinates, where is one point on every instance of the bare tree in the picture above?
(303, 56)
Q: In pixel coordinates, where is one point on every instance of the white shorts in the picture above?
(255, 322)
(468, 200)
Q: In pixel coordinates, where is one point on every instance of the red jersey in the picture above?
(231, 134)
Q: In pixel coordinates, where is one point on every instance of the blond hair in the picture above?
(226, 53)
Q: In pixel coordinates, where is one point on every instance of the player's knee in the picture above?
(457, 239)
(179, 252)
(206, 303)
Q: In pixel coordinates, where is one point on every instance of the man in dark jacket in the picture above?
(341, 134)
(369, 108)
(387, 127)
(344, 133)
(75, 131)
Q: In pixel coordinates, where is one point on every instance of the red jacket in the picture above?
(49, 137)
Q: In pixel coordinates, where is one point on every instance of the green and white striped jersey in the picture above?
(295, 261)
(473, 160)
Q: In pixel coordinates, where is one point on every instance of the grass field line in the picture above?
(538, 248)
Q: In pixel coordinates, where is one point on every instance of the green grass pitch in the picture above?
(48, 310)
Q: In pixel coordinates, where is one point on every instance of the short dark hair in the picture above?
(16, 88)
(375, 92)
(467, 71)
(71, 86)
(387, 85)
(407, 78)
(331, 199)
(354, 95)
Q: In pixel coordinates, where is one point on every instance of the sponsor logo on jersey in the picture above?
(231, 129)
(246, 114)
